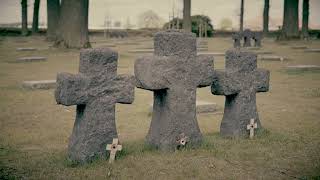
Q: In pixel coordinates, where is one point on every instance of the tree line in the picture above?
(68, 20)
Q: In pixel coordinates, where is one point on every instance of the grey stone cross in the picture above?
(237, 39)
(240, 83)
(247, 36)
(251, 127)
(113, 148)
(257, 37)
(95, 91)
(173, 74)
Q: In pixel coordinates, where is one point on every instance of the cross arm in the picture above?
(125, 85)
(262, 80)
(205, 66)
(225, 83)
(150, 73)
(71, 89)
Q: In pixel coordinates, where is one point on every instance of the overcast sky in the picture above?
(121, 10)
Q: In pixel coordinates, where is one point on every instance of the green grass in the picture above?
(34, 131)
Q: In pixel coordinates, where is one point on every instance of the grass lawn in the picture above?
(34, 130)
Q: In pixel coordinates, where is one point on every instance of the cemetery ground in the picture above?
(34, 130)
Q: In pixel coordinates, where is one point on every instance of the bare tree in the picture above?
(187, 15)
(266, 16)
(53, 11)
(24, 17)
(35, 22)
(241, 15)
(305, 19)
(290, 27)
(73, 24)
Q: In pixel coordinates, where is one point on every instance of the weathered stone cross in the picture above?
(174, 73)
(113, 148)
(247, 36)
(237, 39)
(251, 127)
(240, 83)
(95, 90)
(257, 36)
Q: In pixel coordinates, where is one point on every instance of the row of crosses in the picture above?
(173, 73)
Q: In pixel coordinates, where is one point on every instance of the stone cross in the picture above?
(237, 40)
(247, 36)
(251, 127)
(113, 148)
(257, 37)
(239, 83)
(173, 74)
(95, 91)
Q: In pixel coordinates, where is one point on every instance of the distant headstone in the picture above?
(26, 49)
(257, 37)
(247, 36)
(299, 47)
(237, 39)
(174, 73)
(303, 67)
(212, 53)
(240, 83)
(312, 50)
(95, 90)
(31, 59)
(44, 84)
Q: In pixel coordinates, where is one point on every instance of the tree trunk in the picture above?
(290, 27)
(305, 19)
(53, 11)
(35, 22)
(24, 16)
(73, 24)
(187, 15)
(266, 17)
(241, 15)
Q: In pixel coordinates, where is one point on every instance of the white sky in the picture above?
(121, 10)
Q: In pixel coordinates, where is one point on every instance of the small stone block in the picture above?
(31, 59)
(312, 50)
(272, 58)
(26, 49)
(43, 85)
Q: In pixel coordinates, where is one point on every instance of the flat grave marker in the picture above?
(31, 59)
(42, 84)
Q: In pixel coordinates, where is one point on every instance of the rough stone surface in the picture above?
(237, 39)
(95, 90)
(257, 37)
(31, 59)
(173, 74)
(247, 36)
(202, 107)
(240, 83)
(44, 84)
